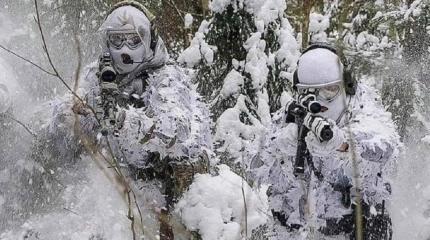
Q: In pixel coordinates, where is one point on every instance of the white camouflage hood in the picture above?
(127, 15)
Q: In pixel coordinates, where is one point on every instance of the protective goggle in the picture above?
(327, 93)
(118, 39)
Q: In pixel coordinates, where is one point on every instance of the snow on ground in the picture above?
(411, 200)
(90, 208)
(214, 206)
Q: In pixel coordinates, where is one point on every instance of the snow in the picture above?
(256, 60)
(188, 20)
(198, 50)
(91, 207)
(232, 84)
(237, 135)
(214, 206)
(288, 53)
(267, 10)
(426, 139)
(328, 64)
(414, 9)
(7, 29)
(2, 201)
(263, 109)
(9, 90)
(411, 205)
(175, 119)
(218, 6)
(318, 24)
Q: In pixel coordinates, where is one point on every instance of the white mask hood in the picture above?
(336, 107)
(320, 68)
(128, 17)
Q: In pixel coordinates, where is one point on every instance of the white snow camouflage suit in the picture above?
(163, 113)
(316, 202)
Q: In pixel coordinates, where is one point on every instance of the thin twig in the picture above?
(357, 183)
(79, 66)
(45, 48)
(172, 4)
(127, 185)
(71, 211)
(243, 191)
(21, 124)
(27, 60)
(246, 209)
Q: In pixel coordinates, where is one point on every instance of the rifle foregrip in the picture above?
(326, 133)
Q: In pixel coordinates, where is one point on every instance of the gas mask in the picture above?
(127, 50)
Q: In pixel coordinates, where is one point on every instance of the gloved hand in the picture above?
(323, 148)
(80, 109)
(288, 117)
(309, 102)
(319, 126)
(5, 99)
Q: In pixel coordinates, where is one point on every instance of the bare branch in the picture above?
(245, 207)
(45, 48)
(69, 210)
(27, 60)
(21, 124)
(172, 4)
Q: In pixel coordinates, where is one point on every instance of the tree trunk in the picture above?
(307, 6)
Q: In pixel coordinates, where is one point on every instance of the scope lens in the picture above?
(108, 76)
(314, 107)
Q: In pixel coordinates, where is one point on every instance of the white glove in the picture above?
(319, 126)
(5, 99)
(320, 149)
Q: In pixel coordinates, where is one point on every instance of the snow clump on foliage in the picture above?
(214, 206)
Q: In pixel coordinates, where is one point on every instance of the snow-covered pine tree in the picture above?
(406, 88)
(244, 57)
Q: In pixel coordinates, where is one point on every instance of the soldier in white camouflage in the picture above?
(349, 145)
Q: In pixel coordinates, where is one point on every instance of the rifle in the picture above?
(107, 102)
(296, 113)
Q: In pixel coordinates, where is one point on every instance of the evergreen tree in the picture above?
(244, 58)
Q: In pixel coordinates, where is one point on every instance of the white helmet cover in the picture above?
(319, 67)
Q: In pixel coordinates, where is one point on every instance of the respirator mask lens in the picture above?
(118, 39)
(133, 40)
(329, 93)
